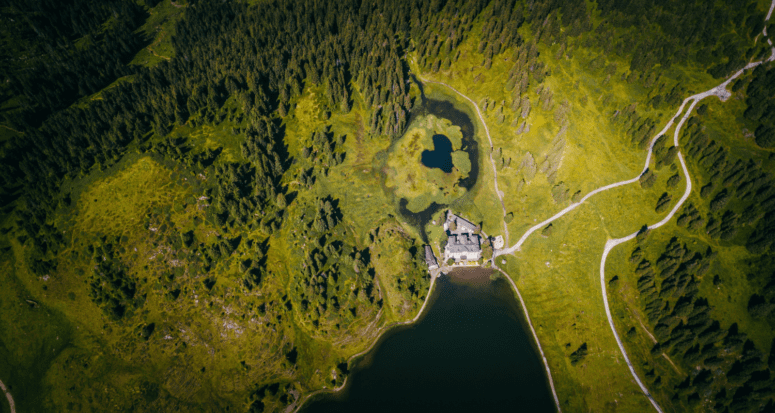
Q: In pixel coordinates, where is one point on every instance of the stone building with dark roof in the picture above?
(463, 243)
(430, 258)
(457, 225)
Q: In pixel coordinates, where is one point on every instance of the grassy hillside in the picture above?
(204, 203)
(584, 133)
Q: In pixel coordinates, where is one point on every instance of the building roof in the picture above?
(430, 258)
(463, 225)
(463, 243)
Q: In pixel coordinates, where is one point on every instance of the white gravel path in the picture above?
(8, 396)
(723, 94)
(498, 192)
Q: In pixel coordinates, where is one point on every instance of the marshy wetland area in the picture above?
(425, 178)
(368, 205)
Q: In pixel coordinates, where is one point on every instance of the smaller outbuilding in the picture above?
(430, 258)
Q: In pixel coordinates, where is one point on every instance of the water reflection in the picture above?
(441, 155)
(470, 352)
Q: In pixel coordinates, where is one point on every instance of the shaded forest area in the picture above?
(727, 368)
(681, 32)
(77, 48)
(740, 194)
(761, 104)
(262, 56)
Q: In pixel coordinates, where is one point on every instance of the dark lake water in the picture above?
(469, 353)
(441, 155)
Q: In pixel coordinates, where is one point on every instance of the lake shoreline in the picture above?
(473, 337)
(380, 335)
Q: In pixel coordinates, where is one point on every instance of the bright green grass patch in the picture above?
(305, 119)
(462, 161)
(123, 200)
(558, 278)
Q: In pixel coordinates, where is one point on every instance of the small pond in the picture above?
(446, 110)
(441, 155)
(469, 352)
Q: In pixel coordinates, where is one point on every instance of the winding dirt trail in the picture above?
(506, 232)
(720, 91)
(8, 396)
(723, 94)
(489, 139)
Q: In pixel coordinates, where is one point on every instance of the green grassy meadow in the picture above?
(240, 258)
(558, 273)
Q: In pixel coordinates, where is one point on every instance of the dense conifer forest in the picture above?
(223, 212)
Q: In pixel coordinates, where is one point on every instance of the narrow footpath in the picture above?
(723, 94)
(489, 139)
(8, 396)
